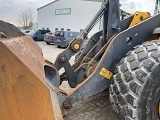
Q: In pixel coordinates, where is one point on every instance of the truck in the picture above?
(123, 57)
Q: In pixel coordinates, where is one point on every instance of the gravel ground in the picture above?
(97, 107)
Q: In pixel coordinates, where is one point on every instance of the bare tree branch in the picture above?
(25, 18)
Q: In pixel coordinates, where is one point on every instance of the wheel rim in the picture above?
(159, 109)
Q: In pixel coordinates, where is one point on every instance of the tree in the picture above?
(25, 18)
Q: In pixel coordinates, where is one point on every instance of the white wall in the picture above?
(82, 13)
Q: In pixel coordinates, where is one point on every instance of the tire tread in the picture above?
(132, 74)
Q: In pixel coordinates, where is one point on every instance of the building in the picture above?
(72, 15)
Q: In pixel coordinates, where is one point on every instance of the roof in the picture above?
(47, 4)
(58, 0)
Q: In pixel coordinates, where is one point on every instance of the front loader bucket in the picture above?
(24, 94)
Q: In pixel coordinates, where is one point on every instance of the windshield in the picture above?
(33, 31)
(131, 6)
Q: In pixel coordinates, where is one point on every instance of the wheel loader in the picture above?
(123, 57)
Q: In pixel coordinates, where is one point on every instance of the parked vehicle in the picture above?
(25, 31)
(62, 38)
(38, 34)
(49, 37)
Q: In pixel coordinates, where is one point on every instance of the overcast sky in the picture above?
(9, 9)
(138, 5)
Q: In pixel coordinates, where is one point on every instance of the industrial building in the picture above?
(71, 15)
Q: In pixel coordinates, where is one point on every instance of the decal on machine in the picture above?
(106, 73)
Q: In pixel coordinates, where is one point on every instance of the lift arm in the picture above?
(64, 57)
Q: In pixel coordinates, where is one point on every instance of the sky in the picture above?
(10, 9)
(138, 5)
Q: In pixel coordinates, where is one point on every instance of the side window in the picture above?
(72, 34)
(62, 34)
(43, 32)
(38, 32)
(59, 33)
(48, 31)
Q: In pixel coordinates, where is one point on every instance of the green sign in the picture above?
(63, 11)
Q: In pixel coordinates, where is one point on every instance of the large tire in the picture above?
(58, 46)
(35, 39)
(48, 43)
(134, 93)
